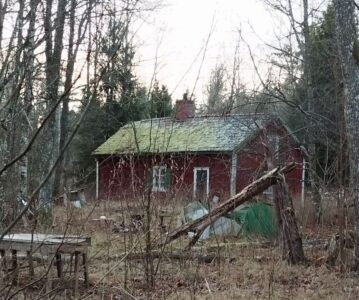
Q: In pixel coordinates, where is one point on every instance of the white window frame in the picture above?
(160, 172)
(195, 169)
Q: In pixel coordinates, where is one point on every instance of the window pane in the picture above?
(159, 173)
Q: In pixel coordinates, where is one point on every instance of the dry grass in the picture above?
(247, 270)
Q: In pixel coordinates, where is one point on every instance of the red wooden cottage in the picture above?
(194, 156)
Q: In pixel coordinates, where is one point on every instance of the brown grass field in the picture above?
(242, 268)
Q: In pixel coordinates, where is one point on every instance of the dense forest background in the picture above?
(68, 82)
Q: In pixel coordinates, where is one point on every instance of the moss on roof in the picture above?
(202, 133)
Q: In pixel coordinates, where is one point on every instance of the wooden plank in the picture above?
(45, 239)
(44, 249)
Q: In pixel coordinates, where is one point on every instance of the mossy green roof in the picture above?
(167, 135)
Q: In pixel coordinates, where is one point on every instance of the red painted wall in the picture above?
(251, 160)
(125, 177)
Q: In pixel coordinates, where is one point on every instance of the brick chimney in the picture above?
(185, 108)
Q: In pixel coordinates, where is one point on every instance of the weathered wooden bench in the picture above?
(51, 246)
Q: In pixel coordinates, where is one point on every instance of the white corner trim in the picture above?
(97, 179)
(233, 184)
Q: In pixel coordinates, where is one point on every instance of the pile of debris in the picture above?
(254, 219)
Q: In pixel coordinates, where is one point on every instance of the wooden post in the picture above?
(76, 275)
(14, 265)
(85, 266)
(59, 265)
(31, 264)
(71, 262)
(49, 273)
(3, 265)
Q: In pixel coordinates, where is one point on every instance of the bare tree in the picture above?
(73, 47)
(215, 89)
(348, 45)
(300, 38)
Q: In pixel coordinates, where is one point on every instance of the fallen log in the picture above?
(173, 255)
(251, 190)
(205, 258)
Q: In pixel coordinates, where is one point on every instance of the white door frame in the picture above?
(195, 169)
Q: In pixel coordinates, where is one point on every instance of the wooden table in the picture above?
(50, 246)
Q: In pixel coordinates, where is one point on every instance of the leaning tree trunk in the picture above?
(253, 189)
(292, 247)
(346, 35)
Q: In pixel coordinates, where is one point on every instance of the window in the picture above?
(160, 178)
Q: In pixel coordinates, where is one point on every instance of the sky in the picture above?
(171, 39)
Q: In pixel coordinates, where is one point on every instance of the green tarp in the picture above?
(256, 219)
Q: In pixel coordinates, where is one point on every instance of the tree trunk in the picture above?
(53, 53)
(312, 132)
(26, 124)
(292, 248)
(291, 239)
(3, 11)
(73, 46)
(348, 46)
(58, 181)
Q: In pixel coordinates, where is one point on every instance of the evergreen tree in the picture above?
(160, 102)
(326, 107)
(123, 95)
(91, 134)
(121, 98)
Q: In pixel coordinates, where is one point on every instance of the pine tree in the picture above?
(326, 102)
(160, 102)
(121, 98)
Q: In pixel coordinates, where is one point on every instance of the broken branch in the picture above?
(251, 190)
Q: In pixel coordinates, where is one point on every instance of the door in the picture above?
(201, 183)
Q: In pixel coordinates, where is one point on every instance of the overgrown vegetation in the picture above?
(68, 83)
